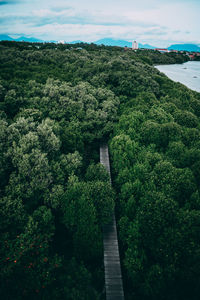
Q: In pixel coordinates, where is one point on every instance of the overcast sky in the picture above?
(157, 22)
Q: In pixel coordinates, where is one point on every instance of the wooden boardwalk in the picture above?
(113, 277)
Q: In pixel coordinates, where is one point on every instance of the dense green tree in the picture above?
(58, 103)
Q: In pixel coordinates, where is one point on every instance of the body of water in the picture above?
(187, 73)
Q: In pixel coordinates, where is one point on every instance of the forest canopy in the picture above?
(57, 104)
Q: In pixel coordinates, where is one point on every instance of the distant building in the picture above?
(126, 48)
(175, 51)
(191, 56)
(135, 45)
(162, 50)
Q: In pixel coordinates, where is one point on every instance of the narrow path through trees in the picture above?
(113, 277)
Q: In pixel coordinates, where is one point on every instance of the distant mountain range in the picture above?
(76, 42)
(4, 37)
(30, 40)
(185, 47)
(120, 43)
(107, 42)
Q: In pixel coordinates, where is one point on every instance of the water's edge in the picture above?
(187, 73)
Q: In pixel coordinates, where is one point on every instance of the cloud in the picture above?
(43, 17)
(155, 32)
(9, 2)
(177, 31)
(88, 32)
(72, 16)
(144, 20)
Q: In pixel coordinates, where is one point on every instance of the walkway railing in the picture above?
(113, 276)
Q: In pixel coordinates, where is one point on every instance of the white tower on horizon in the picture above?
(134, 45)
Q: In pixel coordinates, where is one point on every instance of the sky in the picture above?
(156, 22)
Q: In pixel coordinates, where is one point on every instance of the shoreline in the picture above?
(190, 77)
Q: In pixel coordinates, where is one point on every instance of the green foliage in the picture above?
(155, 160)
(34, 208)
(57, 104)
(96, 172)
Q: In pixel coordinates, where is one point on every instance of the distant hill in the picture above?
(5, 37)
(185, 47)
(146, 46)
(75, 42)
(30, 40)
(111, 42)
(106, 42)
(120, 43)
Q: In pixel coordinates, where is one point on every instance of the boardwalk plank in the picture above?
(113, 276)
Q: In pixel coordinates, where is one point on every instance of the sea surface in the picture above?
(187, 73)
